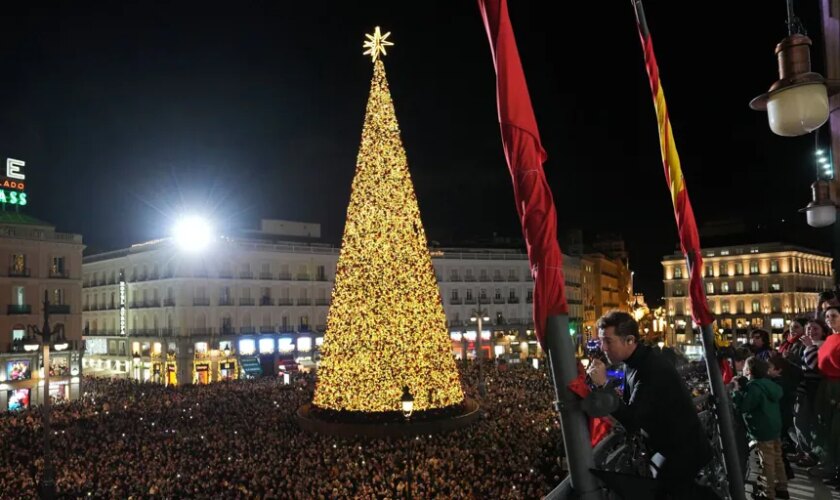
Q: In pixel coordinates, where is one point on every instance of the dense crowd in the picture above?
(239, 439)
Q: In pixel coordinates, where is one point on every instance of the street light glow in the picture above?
(192, 233)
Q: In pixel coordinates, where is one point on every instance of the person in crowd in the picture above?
(827, 402)
(788, 376)
(805, 419)
(657, 402)
(760, 344)
(792, 346)
(758, 402)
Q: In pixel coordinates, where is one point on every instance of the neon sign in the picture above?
(12, 187)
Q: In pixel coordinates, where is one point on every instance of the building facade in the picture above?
(41, 262)
(749, 286)
(606, 285)
(155, 312)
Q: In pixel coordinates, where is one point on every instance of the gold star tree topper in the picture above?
(376, 43)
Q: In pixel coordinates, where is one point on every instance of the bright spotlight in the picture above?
(192, 233)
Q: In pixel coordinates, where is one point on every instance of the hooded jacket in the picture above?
(759, 404)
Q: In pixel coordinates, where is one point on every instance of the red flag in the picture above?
(533, 198)
(686, 225)
(525, 157)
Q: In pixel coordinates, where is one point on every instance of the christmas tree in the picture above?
(386, 327)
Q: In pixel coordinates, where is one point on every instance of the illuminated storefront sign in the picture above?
(122, 305)
(12, 185)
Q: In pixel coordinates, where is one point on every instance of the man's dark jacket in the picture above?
(657, 402)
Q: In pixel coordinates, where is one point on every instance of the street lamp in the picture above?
(47, 486)
(407, 401)
(478, 317)
(797, 103)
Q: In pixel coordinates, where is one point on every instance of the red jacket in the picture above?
(828, 357)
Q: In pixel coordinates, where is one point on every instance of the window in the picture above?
(739, 286)
(775, 287)
(246, 293)
(266, 268)
(774, 266)
(498, 294)
(19, 295)
(304, 322)
(724, 307)
(754, 286)
(469, 294)
(18, 264)
(199, 292)
(678, 291)
(484, 275)
(454, 294)
(530, 295)
(753, 267)
(322, 273)
(739, 268)
(266, 292)
(58, 297)
(57, 268)
(722, 269)
(709, 270)
(724, 252)
(756, 307)
(710, 288)
(740, 307)
(224, 294)
(483, 294)
(512, 275)
(724, 287)
(512, 294)
(678, 272)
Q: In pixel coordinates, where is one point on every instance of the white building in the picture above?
(154, 312)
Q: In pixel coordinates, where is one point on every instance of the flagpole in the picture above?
(562, 363)
(690, 243)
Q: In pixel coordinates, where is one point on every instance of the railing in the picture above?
(201, 331)
(513, 300)
(455, 278)
(19, 273)
(284, 276)
(19, 309)
(266, 276)
(227, 330)
(247, 330)
(469, 301)
(246, 302)
(246, 276)
(455, 301)
(169, 302)
(302, 277)
(266, 301)
(225, 302)
(286, 329)
(59, 309)
(469, 279)
(304, 302)
(321, 277)
(267, 329)
(322, 302)
(498, 300)
(59, 274)
(304, 328)
(201, 301)
(285, 302)
(168, 332)
(457, 322)
(226, 275)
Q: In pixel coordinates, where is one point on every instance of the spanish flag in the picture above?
(686, 225)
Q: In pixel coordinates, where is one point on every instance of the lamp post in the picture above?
(47, 486)
(407, 401)
(478, 317)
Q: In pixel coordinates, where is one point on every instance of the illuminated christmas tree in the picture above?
(386, 327)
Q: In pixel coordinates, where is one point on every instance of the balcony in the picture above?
(246, 302)
(19, 309)
(304, 328)
(19, 272)
(321, 277)
(513, 300)
(266, 301)
(246, 275)
(59, 274)
(304, 302)
(302, 277)
(455, 301)
(529, 299)
(498, 278)
(498, 300)
(168, 332)
(284, 276)
(267, 329)
(455, 277)
(227, 330)
(225, 275)
(286, 329)
(469, 279)
(201, 301)
(59, 309)
(322, 302)
(145, 332)
(169, 302)
(266, 276)
(247, 330)
(469, 300)
(201, 331)
(226, 302)
(285, 302)
(457, 322)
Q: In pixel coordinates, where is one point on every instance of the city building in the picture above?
(607, 284)
(41, 262)
(259, 301)
(749, 286)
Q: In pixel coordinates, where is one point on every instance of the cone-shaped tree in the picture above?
(386, 327)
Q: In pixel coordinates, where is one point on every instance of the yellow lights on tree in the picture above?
(386, 329)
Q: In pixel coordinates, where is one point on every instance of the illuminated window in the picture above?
(266, 346)
(724, 307)
(754, 286)
(710, 288)
(247, 346)
(756, 306)
(753, 267)
(678, 272)
(724, 287)
(774, 266)
(739, 268)
(739, 286)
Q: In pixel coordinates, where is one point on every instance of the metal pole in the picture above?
(725, 420)
(562, 363)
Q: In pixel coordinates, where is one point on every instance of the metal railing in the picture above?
(285, 302)
(304, 302)
(19, 272)
(19, 309)
(246, 302)
(266, 301)
(201, 301)
(225, 302)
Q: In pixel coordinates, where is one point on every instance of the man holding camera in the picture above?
(656, 403)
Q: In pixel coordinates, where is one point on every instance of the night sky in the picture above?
(129, 114)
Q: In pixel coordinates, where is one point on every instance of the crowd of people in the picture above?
(789, 398)
(239, 439)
